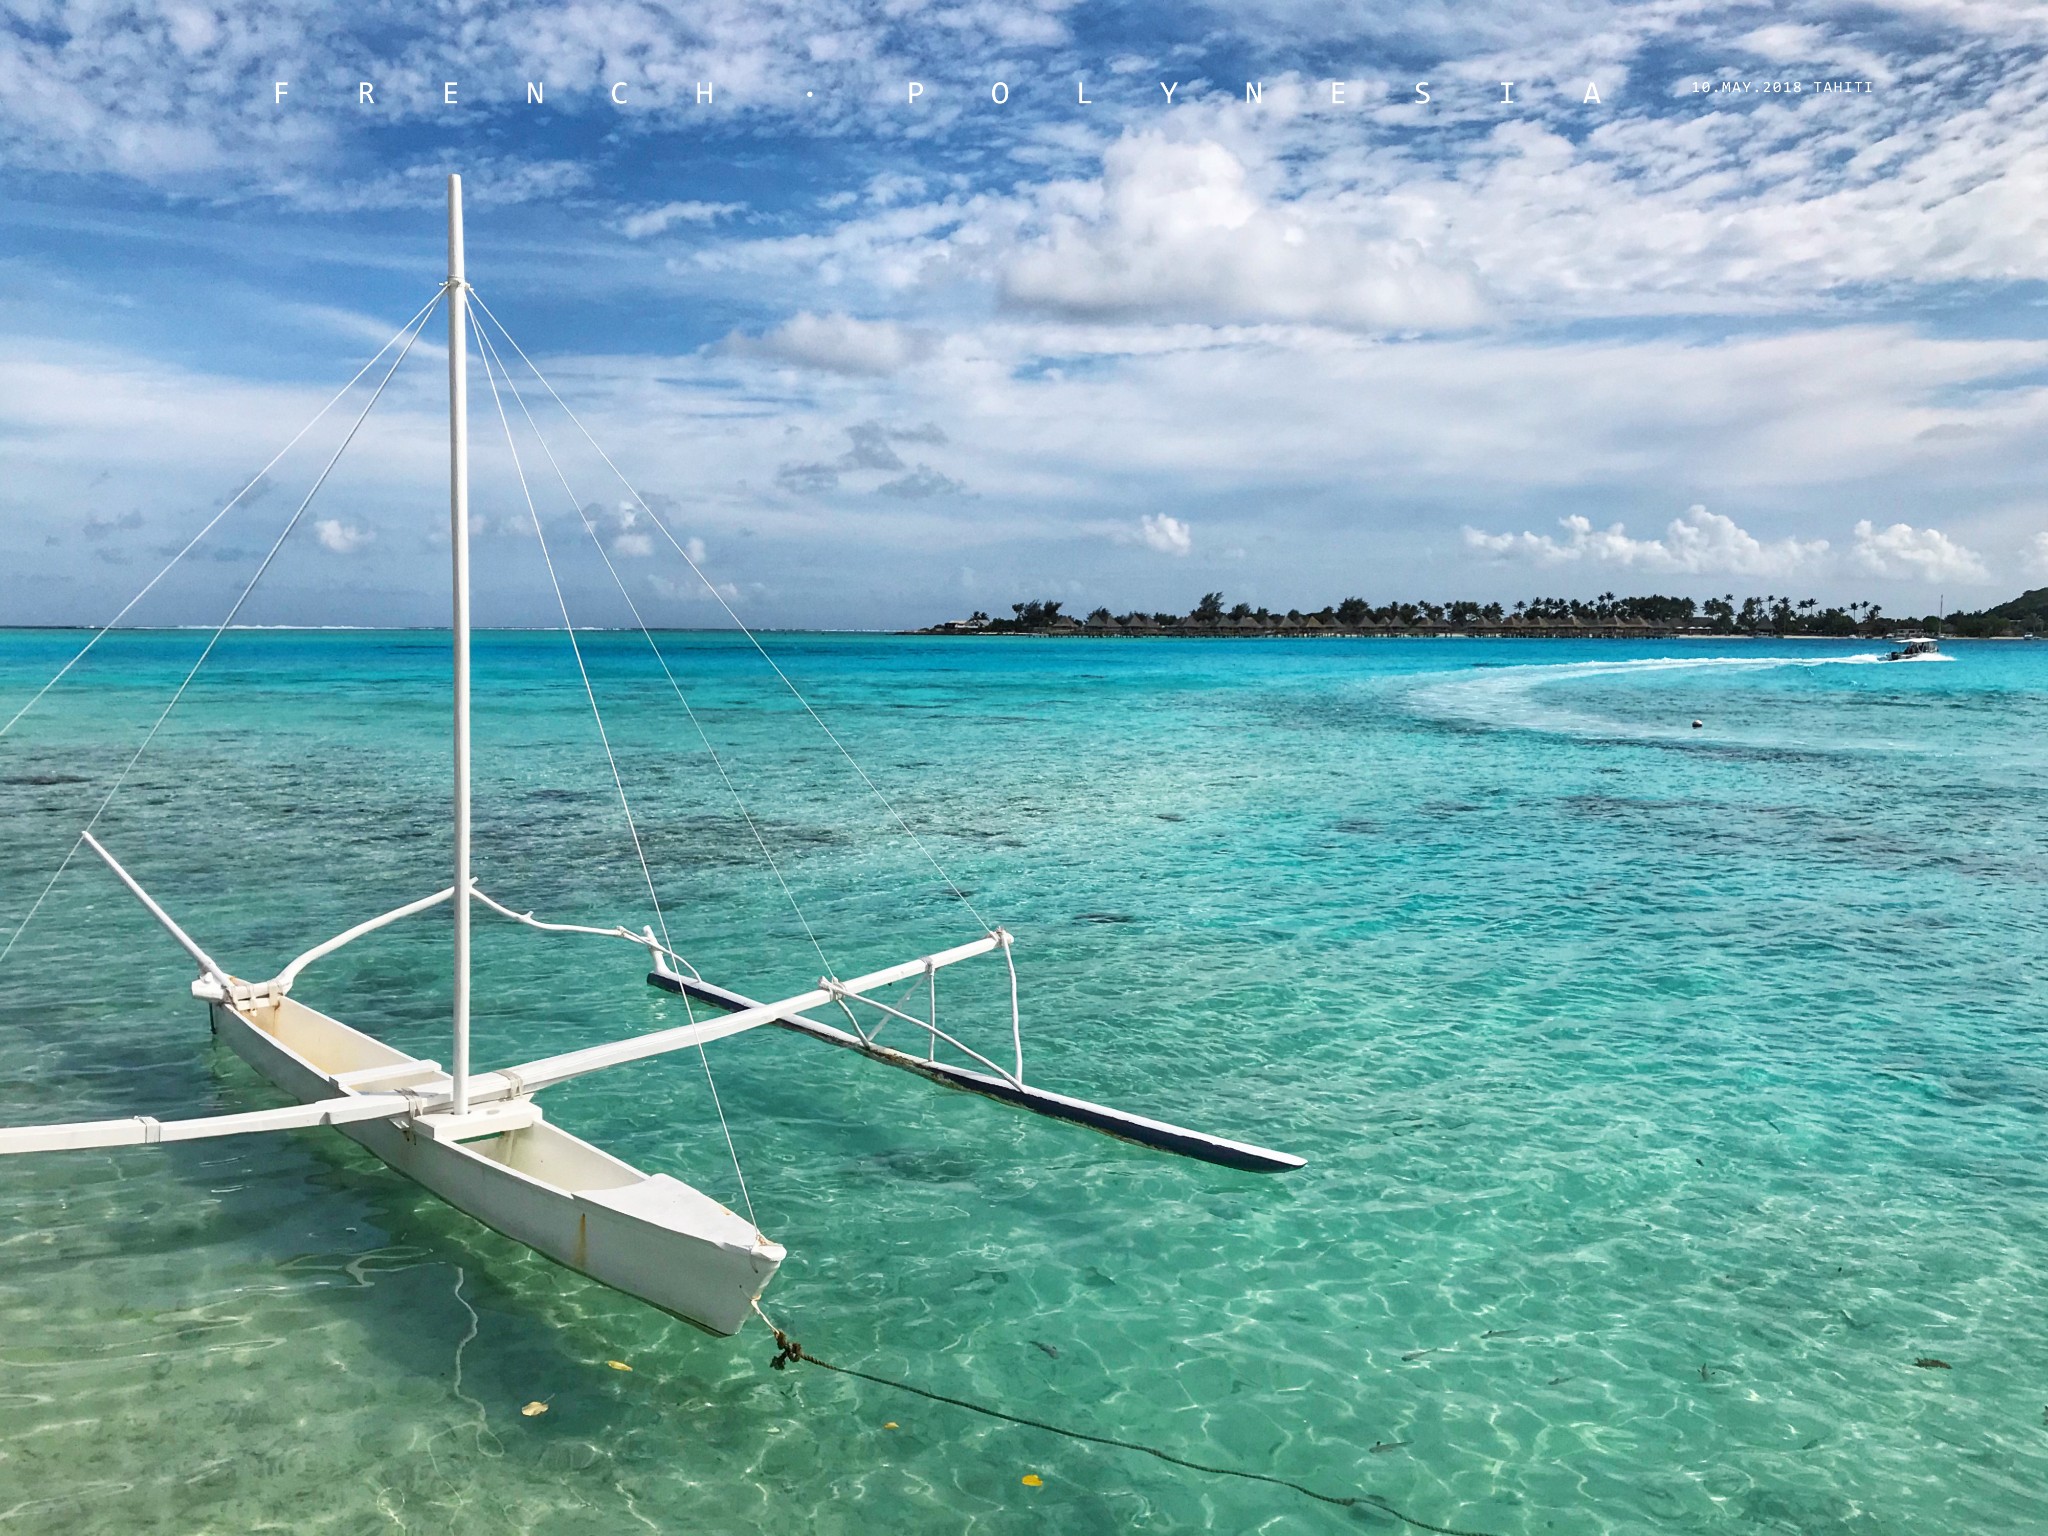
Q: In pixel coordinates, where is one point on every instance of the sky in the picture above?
(1075, 320)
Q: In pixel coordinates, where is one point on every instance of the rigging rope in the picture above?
(569, 628)
(752, 639)
(634, 608)
(485, 355)
(22, 927)
(789, 1351)
(101, 632)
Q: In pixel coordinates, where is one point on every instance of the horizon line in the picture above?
(555, 629)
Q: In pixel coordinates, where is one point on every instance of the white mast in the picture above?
(458, 529)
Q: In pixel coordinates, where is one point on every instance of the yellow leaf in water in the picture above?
(534, 1410)
(1033, 1480)
(890, 1425)
(618, 1365)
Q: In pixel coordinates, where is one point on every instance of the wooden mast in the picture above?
(458, 531)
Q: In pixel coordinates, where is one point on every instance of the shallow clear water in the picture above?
(1667, 1092)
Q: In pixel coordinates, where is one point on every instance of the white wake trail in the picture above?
(1507, 697)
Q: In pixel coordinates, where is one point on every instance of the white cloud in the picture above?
(1298, 438)
(339, 537)
(652, 221)
(1696, 544)
(178, 92)
(1785, 43)
(487, 181)
(837, 344)
(1181, 230)
(1292, 212)
(1814, 49)
(1168, 535)
(921, 483)
(1926, 553)
(696, 550)
(2037, 555)
(688, 589)
(636, 545)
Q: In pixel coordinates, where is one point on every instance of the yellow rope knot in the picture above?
(788, 1349)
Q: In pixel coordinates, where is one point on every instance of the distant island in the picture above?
(1541, 617)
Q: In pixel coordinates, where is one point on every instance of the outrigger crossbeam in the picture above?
(145, 1130)
(433, 1094)
(430, 1093)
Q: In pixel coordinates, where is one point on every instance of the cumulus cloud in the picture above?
(807, 479)
(2037, 555)
(620, 527)
(652, 221)
(169, 91)
(1179, 230)
(341, 538)
(1664, 201)
(1926, 553)
(97, 528)
(688, 589)
(487, 181)
(1697, 543)
(1168, 535)
(837, 344)
(1784, 42)
(1795, 44)
(869, 449)
(921, 482)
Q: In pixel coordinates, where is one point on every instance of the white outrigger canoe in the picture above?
(478, 1140)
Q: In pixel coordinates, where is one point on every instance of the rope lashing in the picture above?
(790, 1352)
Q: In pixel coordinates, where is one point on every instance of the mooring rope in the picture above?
(790, 1351)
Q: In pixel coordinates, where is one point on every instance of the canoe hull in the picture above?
(649, 1235)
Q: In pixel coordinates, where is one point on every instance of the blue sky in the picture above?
(887, 361)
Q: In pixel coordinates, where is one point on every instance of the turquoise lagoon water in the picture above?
(1668, 1093)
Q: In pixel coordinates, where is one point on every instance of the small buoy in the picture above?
(618, 1365)
(1033, 1480)
(1698, 724)
(533, 1410)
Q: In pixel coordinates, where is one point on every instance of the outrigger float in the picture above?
(477, 1139)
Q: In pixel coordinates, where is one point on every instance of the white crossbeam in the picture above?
(142, 1130)
(290, 973)
(535, 1075)
(485, 1088)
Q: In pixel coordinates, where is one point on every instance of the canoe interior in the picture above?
(649, 1235)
